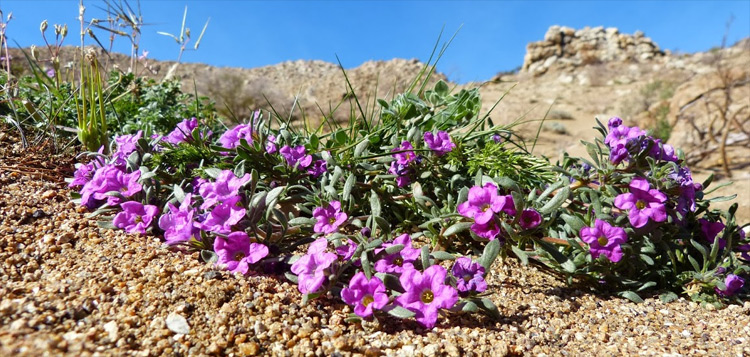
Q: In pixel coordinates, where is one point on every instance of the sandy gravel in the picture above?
(69, 287)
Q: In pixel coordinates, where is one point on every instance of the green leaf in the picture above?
(302, 221)
(212, 172)
(274, 194)
(441, 88)
(470, 306)
(385, 227)
(360, 148)
(179, 194)
(307, 297)
(457, 228)
(668, 297)
(394, 249)
(291, 277)
(574, 222)
(630, 295)
(366, 268)
(700, 248)
(374, 244)
(489, 307)
(560, 258)
(523, 256)
(390, 281)
(348, 186)
(647, 285)
(106, 224)
(209, 256)
(491, 250)
(442, 255)
(398, 311)
(425, 254)
(374, 203)
(646, 259)
(556, 201)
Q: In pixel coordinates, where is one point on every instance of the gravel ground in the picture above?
(69, 287)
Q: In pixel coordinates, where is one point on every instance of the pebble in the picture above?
(177, 324)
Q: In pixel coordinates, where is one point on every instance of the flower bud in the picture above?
(43, 26)
(64, 31)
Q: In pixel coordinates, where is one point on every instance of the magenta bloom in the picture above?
(329, 218)
(711, 231)
(296, 157)
(226, 187)
(604, 239)
(733, 284)
(237, 253)
(614, 122)
(224, 216)
(440, 143)
(643, 203)
(271, 145)
(621, 134)
(127, 144)
(365, 295)
(179, 224)
(530, 218)
(489, 230)
(318, 168)
(469, 276)
(312, 268)
(618, 154)
(405, 157)
(346, 251)
(183, 131)
(83, 174)
(484, 202)
(426, 293)
(231, 138)
(110, 178)
(135, 217)
(397, 262)
(402, 170)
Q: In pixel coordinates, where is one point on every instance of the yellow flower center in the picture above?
(332, 220)
(367, 300)
(138, 219)
(602, 240)
(467, 278)
(238, 256)
(640, 204)
(485, 207)
(398, 261)
(427, 296)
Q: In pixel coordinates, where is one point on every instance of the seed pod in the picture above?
(43, 26)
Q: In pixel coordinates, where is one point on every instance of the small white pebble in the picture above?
(177, 324)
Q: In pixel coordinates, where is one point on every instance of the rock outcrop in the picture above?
(567, 48)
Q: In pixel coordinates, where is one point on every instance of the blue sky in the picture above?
(492, 38)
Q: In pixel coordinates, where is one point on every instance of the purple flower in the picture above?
(614, 122)
(51, 73)
(530, 218)
(604, 239)
(365, 295)
(366, 232)
(402, 170)
(406, 156)
(711, 231)
(296, 157)
(346, 250)
(107, 179)
(183, 131)
(618, 154)
(688, 188)
(231, 138)
(84, 172)
(226, 187)
(318, 168)
(484, 202)
(426, 293)
(135, 217)
(489, 230)
(329, 218)
(469, 276)
(224, 216)
(643, 203)
(126, 144)
(271, 144)
(733, 284)
(237, 253)
(397, 262)
(621, 134)
(311, 268)
(745, 249)
(179, 224)
(440, 144)
(497, 138)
